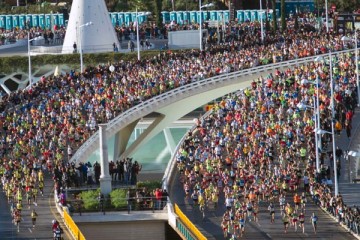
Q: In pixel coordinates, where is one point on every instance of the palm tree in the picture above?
(273, 3)
(283, 17)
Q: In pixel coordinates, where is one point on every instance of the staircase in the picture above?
(350, 193)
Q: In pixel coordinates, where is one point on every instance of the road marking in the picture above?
(268, 235)
(54, 214)
(35, 204)
(258, 224)
(30, 230)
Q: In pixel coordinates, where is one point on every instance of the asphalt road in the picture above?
(263, 229)
(45, 209)
(23, 50)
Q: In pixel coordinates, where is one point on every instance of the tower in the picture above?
(97, 37)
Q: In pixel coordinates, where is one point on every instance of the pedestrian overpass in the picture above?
(172, 105)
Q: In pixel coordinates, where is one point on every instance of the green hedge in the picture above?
(149, 185)
(30, 9)
(118, 198)
(20, 63)
(90, 199)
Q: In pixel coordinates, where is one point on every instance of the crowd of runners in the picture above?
(258, 147)
(42, 126)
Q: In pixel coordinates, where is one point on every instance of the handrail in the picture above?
(192, 228)
(169, 97)
(74, 229)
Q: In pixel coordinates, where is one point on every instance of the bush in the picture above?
(90, 199)
(149, 185)
(118, 198)
(20, 63)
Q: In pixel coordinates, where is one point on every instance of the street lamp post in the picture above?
(261, 22)
(332, 124)
(29, 57)
(80, 45)
(327, 16)
(357, 66)
(301, 106)
(137, 31)
(200, 20)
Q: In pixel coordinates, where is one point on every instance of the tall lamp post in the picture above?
(327, 16)
(200, 20)
(357, 66)
(320, 131)
(29, 57)
(332, 123)
(303, 106)
(80, 45)
(261, 22)
(137, 31)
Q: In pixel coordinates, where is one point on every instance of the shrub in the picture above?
(90, 199)
(118, 198)
(149, 185)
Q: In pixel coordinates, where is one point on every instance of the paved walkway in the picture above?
(349, 165)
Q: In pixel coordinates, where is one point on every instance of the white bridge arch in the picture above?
(176, 103)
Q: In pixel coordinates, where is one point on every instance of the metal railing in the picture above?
(174, 95)
(73, 228)
(189, 226)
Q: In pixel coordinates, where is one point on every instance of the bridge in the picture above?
(176, 103)
(170, 106)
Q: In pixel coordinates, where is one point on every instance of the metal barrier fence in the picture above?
(188, 226)
(73, 228)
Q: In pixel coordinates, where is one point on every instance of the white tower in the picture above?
(97, 37)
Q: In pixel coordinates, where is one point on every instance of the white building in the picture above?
(97, 37)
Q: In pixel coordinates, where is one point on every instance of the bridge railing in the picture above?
(171, 96)
(186, 227)
(73, 228)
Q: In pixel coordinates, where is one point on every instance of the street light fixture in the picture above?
(200, 21)
(320, 131)
(80, 45)
(301, 106)
(137, 31)
(29, 57)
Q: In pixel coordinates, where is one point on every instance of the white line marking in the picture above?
(268, 235)
(30, 230)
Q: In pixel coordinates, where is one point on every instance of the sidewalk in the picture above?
(350, 165)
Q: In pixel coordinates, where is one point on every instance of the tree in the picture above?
(273, 3)
(283, 16)
(296, 25)
(158, 9)
(341, 5)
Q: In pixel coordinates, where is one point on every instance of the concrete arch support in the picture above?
(122, 138)
(170, 142)
(175, 104)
